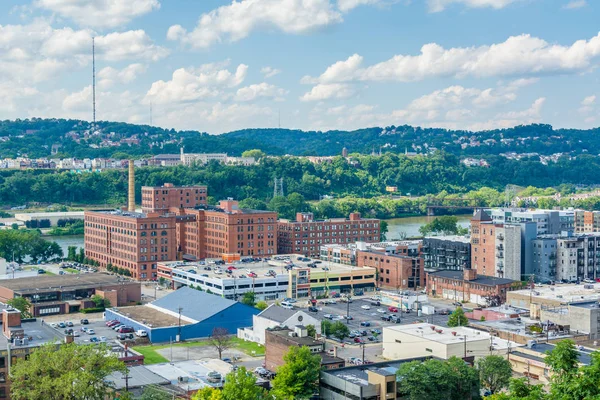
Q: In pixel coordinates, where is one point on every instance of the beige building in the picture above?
(423, 340)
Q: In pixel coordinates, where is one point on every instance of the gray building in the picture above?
(544, 258)
(547, 221)
(579, 317)
(364, 382)
(446, 253)
(508, 251)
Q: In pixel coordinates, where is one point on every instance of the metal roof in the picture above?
(277, 313)
(480, 279)
(194, 304)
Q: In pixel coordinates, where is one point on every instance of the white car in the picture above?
(365, 307)
(381, 310)
(91, 332)
(141, 333)
(102, 339)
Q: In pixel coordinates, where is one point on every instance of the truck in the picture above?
(428, 309)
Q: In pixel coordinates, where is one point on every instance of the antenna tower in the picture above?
(278, 187)
(94, 82)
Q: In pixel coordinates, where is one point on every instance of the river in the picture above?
(409, 225)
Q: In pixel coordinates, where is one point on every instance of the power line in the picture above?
(94, 82)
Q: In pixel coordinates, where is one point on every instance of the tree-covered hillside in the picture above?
(35, 138)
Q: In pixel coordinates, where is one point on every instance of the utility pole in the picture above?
(363, 353)
(179, 309)
(465, 337)
(347, 310)
(126, 377)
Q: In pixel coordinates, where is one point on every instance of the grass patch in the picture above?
(150, 355)
(249, 347)
(71, 270)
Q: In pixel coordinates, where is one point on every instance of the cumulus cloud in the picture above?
(518, 55)
(326, 91)
(188, 84)
(237, 20)
(11, 92)
(99, 13)
(440, 5)
(38, 51)
(109, 76)
(252, 92)
(347, 5)
(269, 72)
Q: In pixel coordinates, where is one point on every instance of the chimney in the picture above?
(469, 274)
(11, 318)
(355, 216)
(304, 217)
(131, 197)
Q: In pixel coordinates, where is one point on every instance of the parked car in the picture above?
(68, 331)
(376, 331)
(376, 303)
(69, 324)
(349, 317)
(84, 321)
(365, 323)
(392, 309)
(328, 316)
(102, 339)
(110, 323)
(90, 332)
(313, 309)
(358, 340)
(124, 336)
(381, 311)
(125, 329)
(62, 325)
(365, 307)
(141, 333)
(94, 339)
(117, 327)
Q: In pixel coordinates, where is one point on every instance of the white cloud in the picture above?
(440, 5)
(269, 72)
(255, 91)
(588, 101)
(109, 76)
(574, 4)
(194, 84)
(237, 20)
(10, 93)
(38, 51)
(347, 5)
(99, 13)
(518, 55)
(325, 91)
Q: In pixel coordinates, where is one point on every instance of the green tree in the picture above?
(298, 378)
(249, 299)
(495, 372)
(14, 226)
(520, 389)
(339, 330)
(447, 225)
(458, 318)
(326, 327)
(100, 301)
(434, 379)
(208, 393)
(257, 154)
(261, 305)
(564, 364)
(241, 384)
(68, 371)
(21, 304)
(311, 331)
(154, 393)
(220, 340)
(383, 230)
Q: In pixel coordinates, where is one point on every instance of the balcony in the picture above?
(500, 247)
(500, 254)
(500, 237)
(552, 256)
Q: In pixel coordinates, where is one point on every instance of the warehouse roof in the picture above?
(194, 304)
(277, 313)
(480, 279)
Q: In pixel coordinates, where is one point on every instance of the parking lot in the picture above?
(101, 331)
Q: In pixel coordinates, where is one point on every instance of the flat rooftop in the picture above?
(195, 373)
(39, 335)
(480, 279)
(517, 326)
(303, 341)
(63, 283)
(358, 374)
(71, 214)
(451, 238)
(563, 293)
(139, 376)
(151, 317)
(242, 269)
(445, 335)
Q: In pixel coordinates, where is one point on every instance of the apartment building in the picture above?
(212, 232)
(544, 258)
(587, 221)
(399, 266)
(162, 198)
(483, 244)
(547, 221)
(130, 240)
(306, 235)
(508, 251)
(447, 253)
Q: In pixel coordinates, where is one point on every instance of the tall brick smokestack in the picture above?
(131, 197)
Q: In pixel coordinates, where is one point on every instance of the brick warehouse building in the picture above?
(305, 235)
(162, 198)
(212, 232)
(130, 240)
(400, 269)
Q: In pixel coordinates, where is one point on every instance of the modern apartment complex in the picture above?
(306, 235)
(587, 221)
(447, 253)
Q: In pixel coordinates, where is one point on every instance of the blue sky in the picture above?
(218, 65)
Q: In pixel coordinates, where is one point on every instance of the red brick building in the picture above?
(305, 235)
(483, 244)
(469, 286)
(130, 240)
(212, 232)
(396, 271)
(162, 198)
(278, 342)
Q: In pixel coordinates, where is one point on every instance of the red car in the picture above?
(112, 322)
(392, 309)
(231, 268)
(358, 340)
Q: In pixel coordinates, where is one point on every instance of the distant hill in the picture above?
(73, 138)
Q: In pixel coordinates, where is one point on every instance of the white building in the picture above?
(276, 316)
(420, 340)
